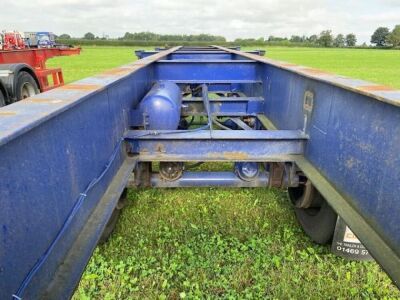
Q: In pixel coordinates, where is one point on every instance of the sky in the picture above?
(230, 18)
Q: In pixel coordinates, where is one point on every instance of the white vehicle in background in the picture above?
(42, 39)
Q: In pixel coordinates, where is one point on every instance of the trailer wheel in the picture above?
(26, 86)
(313, 212)
(2, 99)
(112, 222)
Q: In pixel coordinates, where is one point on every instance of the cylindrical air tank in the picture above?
(161, 107)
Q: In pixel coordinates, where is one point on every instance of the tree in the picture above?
(89, 36)
(64, 36)
(298, 39)
(294, 39)
(394, 36)
(260, 40)
(128, 36)
(313, 39)
(325, 38)
(351, 40)
(380, 36)
(339, 41)
(272, 38)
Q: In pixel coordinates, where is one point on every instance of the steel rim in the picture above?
(27, 90)
(306, 198)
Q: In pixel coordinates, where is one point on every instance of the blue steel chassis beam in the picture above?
(216, 145)
(338, 161)
(207, 179)
(58, 183)
(226, 106)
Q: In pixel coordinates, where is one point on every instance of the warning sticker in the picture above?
(350, 237)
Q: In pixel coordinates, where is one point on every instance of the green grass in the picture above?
(218, 243)
(91, 61)
(221, 243)
(380, 66)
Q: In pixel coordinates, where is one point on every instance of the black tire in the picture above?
(318, 219)
(26, 86)
(112, 222)
(2, 99)
(108, 230)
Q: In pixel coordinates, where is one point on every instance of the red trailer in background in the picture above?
(36, 59)
(23, 72)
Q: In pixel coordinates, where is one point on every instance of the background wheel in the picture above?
(2, 99)
(26, 86)
(112, 222)
(313, 212)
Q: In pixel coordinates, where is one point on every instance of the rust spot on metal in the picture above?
(375, 88)
(116, 72)
(125, 70)
(277, 174)
(143, 62)
(229, 155)
(132, 67)
(7, 113)
(81, 87)
(160, 147)
(314, 71)
(287, 65)
(41, 100)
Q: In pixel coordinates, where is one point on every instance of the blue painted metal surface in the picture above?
(218, 145)
(224, 106)
(66, 155)
(164, 99)
(53, 147)
(354, 141)
(210, 179)
(199, 71)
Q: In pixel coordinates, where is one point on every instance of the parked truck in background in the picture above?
(42, 39)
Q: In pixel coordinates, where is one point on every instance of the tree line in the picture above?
(382, 37)
(149, 36)
(154, 37)
(324, 39)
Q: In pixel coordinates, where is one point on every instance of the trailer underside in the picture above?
(276, 122)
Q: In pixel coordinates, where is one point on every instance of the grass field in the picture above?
(381, 66)
(221, 243)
